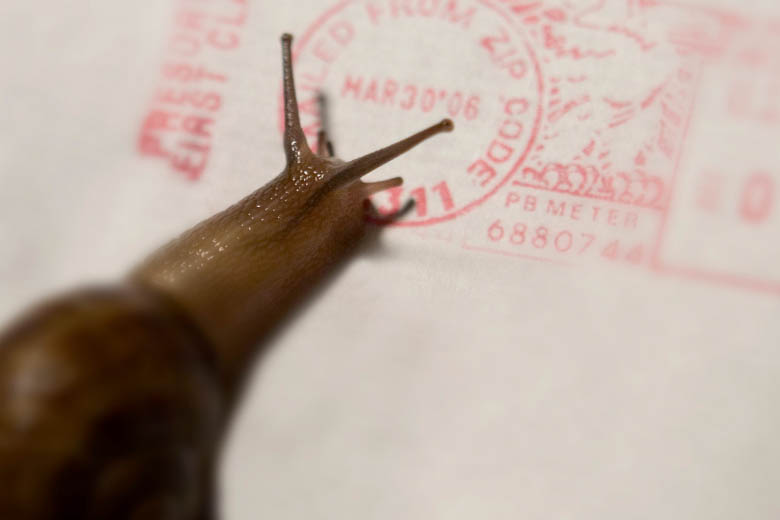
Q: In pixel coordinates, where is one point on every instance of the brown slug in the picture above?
(113, 400)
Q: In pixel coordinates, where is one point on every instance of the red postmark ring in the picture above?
(401, 66)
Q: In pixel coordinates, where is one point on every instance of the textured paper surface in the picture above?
(622, 363)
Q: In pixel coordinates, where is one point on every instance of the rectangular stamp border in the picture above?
(657, 263)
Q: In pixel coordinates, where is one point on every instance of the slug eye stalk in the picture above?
(297, 149)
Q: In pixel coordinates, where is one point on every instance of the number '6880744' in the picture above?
(543, 238)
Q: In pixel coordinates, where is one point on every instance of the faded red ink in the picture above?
(180, 123)
(504, 120)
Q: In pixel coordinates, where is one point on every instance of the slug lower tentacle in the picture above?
(113, 401)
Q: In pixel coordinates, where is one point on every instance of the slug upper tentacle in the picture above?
(112, 403)
(336, 173)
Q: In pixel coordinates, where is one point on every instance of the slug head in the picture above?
(239, 272)
(321, 173)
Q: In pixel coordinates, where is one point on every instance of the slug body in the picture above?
(113, 401)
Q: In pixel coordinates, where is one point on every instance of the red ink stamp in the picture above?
(597, 182)
(723, 222)
(628, 131)
(497, 114)
(672, 167)
(179, 125)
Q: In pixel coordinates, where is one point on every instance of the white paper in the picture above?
(590, 334)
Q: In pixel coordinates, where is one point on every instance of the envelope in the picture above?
(577, 319)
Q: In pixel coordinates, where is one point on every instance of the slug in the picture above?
(113, 400)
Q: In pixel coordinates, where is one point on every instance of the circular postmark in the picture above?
(391, 67)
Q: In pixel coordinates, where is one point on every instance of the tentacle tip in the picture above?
(287, 38)
(447, 125)
(375, 187)
(397, 181)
